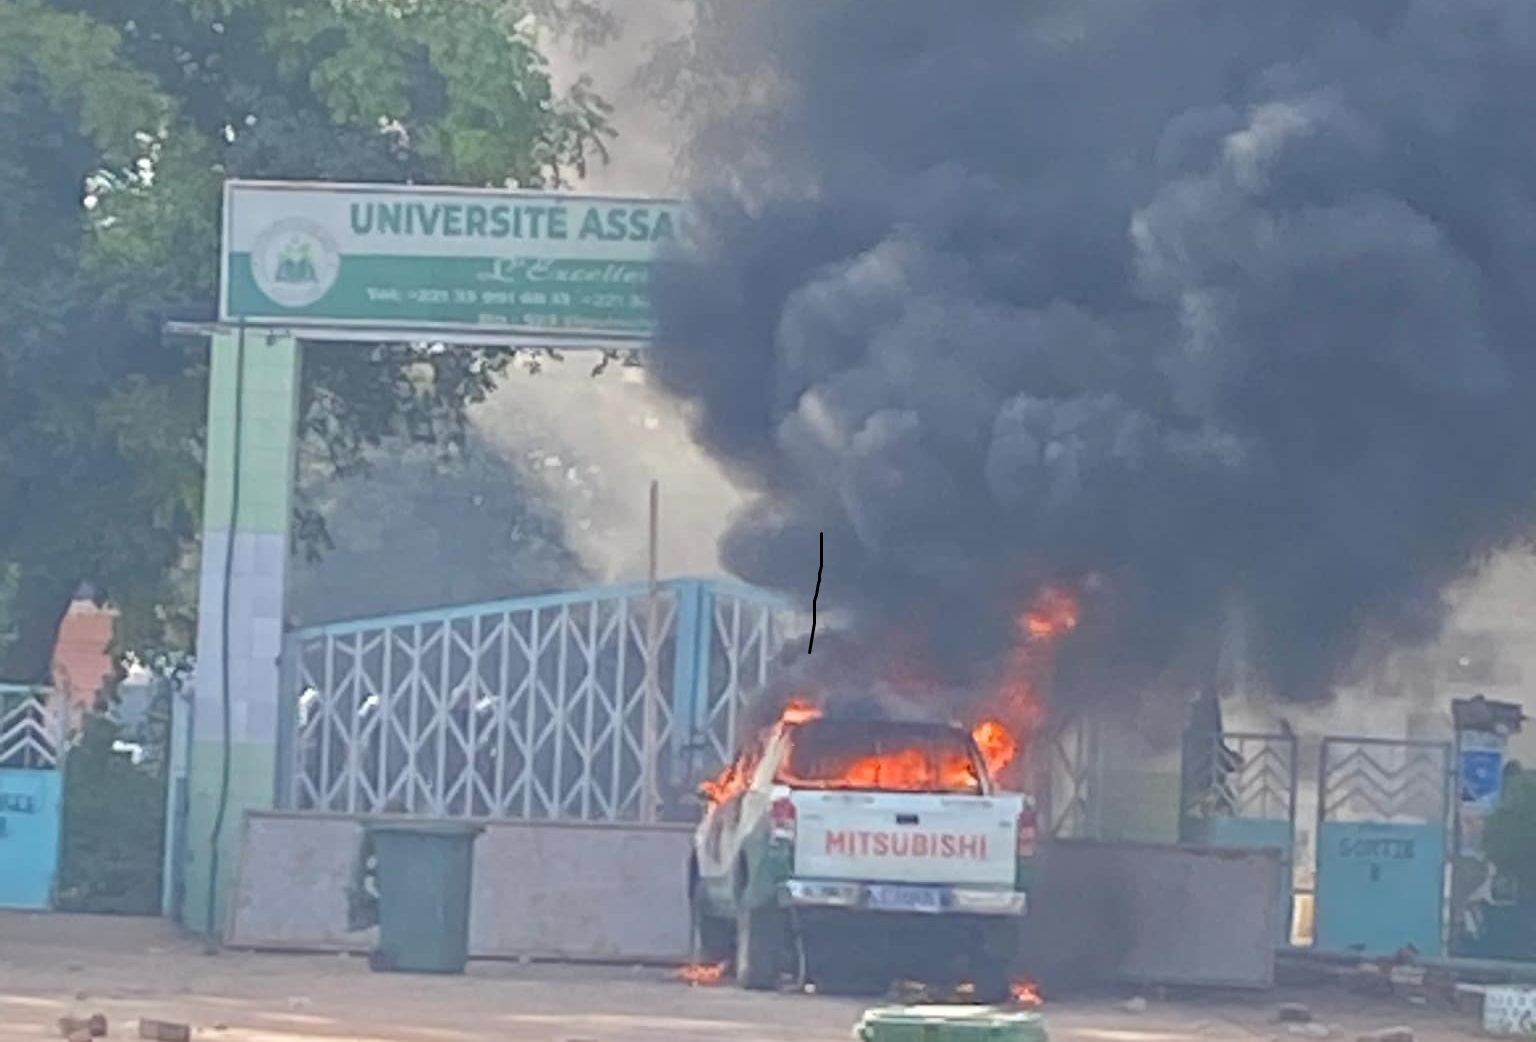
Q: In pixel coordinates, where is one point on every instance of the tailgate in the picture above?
(901, 837)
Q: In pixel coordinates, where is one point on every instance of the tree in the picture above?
(428, 528)
(110, 854)
(119, 119)
(1510, 835)
(68, 106)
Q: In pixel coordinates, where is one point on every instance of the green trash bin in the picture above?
(949, 1024)
(424, 871)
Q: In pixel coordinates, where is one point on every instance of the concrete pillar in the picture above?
(253, 391)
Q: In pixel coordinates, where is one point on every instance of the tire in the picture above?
(760, 938)
(993, 984)
(712, 940)
(992, 965)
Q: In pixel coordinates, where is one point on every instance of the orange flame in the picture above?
(1027, 994)
(911, 770)
(799, 711)
(1053, 614)
(1017, 710)
(731, 781)
(701, 974)
(1014, 713)
(998, 746)
(922, 767)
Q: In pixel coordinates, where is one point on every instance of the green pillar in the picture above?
(253, 387)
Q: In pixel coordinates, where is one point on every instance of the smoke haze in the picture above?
(1225, 305)
(645, 150)
(592, 446)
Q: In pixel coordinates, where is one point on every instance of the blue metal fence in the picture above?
(31, 798)
(597, 705)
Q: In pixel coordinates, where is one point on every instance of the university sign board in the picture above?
(365, 261)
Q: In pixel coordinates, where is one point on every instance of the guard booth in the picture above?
(31, 797)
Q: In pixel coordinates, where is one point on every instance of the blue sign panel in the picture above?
(1481, 777)
(1380, 887)
(30, 806)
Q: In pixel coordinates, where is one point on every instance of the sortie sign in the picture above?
(543, 265)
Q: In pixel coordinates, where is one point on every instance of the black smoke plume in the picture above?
(1229, 304)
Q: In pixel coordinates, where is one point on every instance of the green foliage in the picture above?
(79, 65)
(70, 107)
(1510, 836)
(114, 818)
(119, 120)
(428, 528)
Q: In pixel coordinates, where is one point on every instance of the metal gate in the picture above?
(31, 798)
(1383, 806)
(1069, 778)
(589, 706)
(1239, 791)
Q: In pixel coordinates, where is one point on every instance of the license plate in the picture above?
(906, 898)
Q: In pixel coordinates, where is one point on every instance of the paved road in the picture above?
(51, 966)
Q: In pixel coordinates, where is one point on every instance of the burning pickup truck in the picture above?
(871, 845)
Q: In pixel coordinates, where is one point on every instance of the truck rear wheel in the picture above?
(760, 939)
(993, 984)
(992, 964)
(712, 941)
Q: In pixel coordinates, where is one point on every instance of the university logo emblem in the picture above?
(295, 263)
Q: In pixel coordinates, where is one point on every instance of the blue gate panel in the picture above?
(30, 805)
(1377, 886)
(1248, 833)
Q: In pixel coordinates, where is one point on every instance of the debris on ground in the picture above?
(1294, 1013)
(1370, 978)
(1398, 976)
(164, 1031)
(83, 1029)
(1397, 1034)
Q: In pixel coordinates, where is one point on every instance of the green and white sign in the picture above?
(536, 266)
